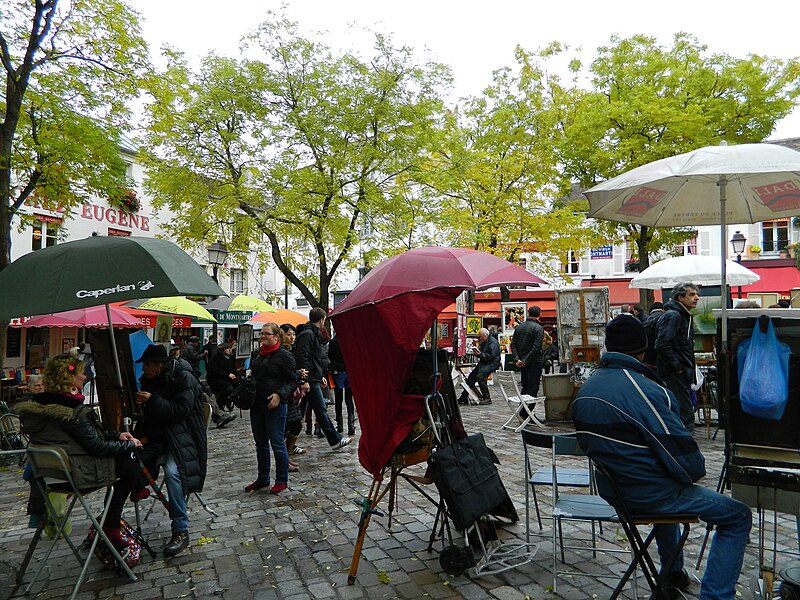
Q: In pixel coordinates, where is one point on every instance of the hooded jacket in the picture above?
(65, 421)
(629, 422)
(675, 342)
(311, 352)
(173, 417)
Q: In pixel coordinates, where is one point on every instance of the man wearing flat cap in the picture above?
(173, 426)
(629, 422)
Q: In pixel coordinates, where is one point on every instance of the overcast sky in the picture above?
(475, 38)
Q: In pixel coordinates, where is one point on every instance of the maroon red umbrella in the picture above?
(94, 316)
(382, 322)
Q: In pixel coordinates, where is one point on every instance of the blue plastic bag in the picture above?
(763, 366)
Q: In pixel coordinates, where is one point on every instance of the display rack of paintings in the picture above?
(581, 314)
(513, 315)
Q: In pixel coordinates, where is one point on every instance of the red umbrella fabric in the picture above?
(381, 324)
(94, 316)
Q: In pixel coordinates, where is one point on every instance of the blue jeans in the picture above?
(317, 401)
(732, 520)
(268, 426)
(177, 500)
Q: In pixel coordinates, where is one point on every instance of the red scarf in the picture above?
(266, 350)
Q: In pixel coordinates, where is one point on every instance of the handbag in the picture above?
(467, 480)
(244, 394)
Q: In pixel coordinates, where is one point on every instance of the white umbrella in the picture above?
(712, 185)
(701, 270)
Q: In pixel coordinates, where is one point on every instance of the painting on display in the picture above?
(513, 315)
(474, 324)
(244, 341)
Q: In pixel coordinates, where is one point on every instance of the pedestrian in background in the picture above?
(526, 346)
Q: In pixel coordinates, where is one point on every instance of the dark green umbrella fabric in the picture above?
(99, 270)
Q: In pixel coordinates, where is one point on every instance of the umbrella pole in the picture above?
(114, 351)
(723, 182)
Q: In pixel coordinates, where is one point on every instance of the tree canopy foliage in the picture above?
(648, 102)
(71, 68)
(295, 151)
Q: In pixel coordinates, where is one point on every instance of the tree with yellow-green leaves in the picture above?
(494, 176)
(296, 152)
(647, 101)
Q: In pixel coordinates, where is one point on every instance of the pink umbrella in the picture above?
(94, 316)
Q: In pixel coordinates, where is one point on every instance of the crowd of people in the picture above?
(291, 378)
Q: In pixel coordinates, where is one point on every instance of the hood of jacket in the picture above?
(304, 327)
(36, 414)
(673, 304)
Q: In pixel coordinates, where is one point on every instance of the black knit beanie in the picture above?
(626, 334)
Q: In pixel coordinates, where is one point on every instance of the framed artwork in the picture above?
(513, 315)
(474, 324)
(444, 330)
(244, 341)
(66, 344)
(163, 331)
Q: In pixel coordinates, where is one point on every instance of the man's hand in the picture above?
(142, 398)
(232, 375)
(274, 401)
(520, 363)
(306, 387)
(126, 435)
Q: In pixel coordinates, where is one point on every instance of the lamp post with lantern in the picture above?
(738, 242)
(217, 253)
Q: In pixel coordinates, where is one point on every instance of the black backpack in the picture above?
(244, 394)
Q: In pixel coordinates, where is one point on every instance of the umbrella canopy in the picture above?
(99, 270)
(95, 316)
(712, 185)
(240, 303)
(702, 270)
(178, 305)
(381, 324)
(279, 316)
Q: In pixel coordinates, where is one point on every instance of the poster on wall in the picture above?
(513, 315)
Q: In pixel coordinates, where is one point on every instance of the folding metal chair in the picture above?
(11, 436)
(52, 472)
(523, 406)
(588, 507)
(566, 477)
(630, 522)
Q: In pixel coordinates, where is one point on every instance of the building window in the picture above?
(238, 278)
(573, 264)
(774, 235)
(687, 247)
(44, 234)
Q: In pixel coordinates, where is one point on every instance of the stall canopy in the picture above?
(382, 322)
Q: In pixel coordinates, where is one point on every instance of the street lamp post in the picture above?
(217, 253)
(738, 242)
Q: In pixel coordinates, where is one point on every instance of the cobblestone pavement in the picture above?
(299, 544)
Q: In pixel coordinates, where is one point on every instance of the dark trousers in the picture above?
(679, 386)
(531, 375)
(345, 395)
(129, 478)
(480, 375)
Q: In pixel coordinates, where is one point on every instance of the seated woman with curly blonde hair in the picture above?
(59, 417)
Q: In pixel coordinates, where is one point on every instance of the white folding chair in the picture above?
(523, 406)
(52, 472)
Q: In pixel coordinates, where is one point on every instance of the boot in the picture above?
(351, 424)
(291, 441)
(179, 541)
(463, 398)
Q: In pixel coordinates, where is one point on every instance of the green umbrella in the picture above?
(99, 270)
(240, 303)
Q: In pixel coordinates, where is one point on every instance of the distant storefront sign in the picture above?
(233, 316)
(602, 252)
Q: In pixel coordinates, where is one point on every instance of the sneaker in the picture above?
(298, 450)
(677, 579)
(485, 402)
(341, 443)
(225, 420)
(256, 485)
(278, 488)
(293, 467)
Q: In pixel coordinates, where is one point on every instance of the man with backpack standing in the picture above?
(311, 354)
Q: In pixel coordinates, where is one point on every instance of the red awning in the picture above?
(777, 275)
(492, 309)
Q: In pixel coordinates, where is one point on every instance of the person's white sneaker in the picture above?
(341, 444)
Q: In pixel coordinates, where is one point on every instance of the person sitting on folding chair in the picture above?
(489, 361)
(629, 422)
(59, 417)
(173, 430)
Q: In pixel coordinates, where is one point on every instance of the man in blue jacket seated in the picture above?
(628, 421)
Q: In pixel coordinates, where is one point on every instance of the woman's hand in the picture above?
(274, 401)
(127, 436)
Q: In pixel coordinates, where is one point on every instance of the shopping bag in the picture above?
(59, 502)
(763, 367)
(467, 479)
